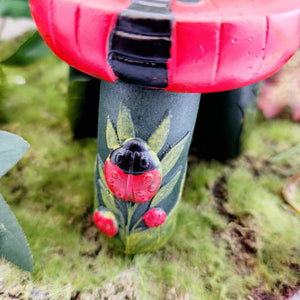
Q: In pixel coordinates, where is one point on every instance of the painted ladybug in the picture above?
(132, 172)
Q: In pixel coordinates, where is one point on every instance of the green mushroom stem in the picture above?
(219, 126)
(144, 137)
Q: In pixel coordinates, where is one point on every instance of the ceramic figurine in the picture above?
(155, 58)
(143, 142)
(219, 129)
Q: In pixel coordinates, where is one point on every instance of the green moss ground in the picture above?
(236, 237)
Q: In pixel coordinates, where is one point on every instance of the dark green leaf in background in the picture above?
(30, 51)
(14, 8)
(12, 148)
(13, 243)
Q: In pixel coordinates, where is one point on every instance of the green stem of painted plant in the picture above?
(136, 224)
(130, 209)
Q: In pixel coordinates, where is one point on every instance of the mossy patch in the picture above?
(235, 235)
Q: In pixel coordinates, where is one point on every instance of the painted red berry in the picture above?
(132, 172)
(106, 222)
(154, 217)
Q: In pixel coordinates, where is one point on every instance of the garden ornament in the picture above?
(219, 130)
(155, 58)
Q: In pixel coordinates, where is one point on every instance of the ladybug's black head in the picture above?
(133, 157)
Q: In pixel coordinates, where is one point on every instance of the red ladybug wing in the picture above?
(116, 179)
(128, 187)
(145, 186)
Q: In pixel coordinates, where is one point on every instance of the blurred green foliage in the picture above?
(33, 48)
(14, 8)
(13, 243)
(3, 116)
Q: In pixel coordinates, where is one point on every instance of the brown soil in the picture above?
(242, 239)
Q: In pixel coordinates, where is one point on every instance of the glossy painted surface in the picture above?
(140, 43)
(128, 187)
(106, 222)
(154, 217)
(215, 44)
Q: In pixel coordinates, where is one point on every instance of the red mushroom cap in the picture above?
(214, 45)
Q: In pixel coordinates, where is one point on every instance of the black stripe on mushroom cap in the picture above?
(140, 44)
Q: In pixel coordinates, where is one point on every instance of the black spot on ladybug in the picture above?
(133, 158)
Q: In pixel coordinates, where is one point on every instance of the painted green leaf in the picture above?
(120, 215)
(31, 50)
(111, 135)
(166, 190)
(13, 243)
(107, 198)
(12, 148)
(125, 128)
(170, 159)
(159, 137)
(14, 8)
(150, 239)
(101, 172)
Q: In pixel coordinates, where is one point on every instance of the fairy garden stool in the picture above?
(155, 58)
